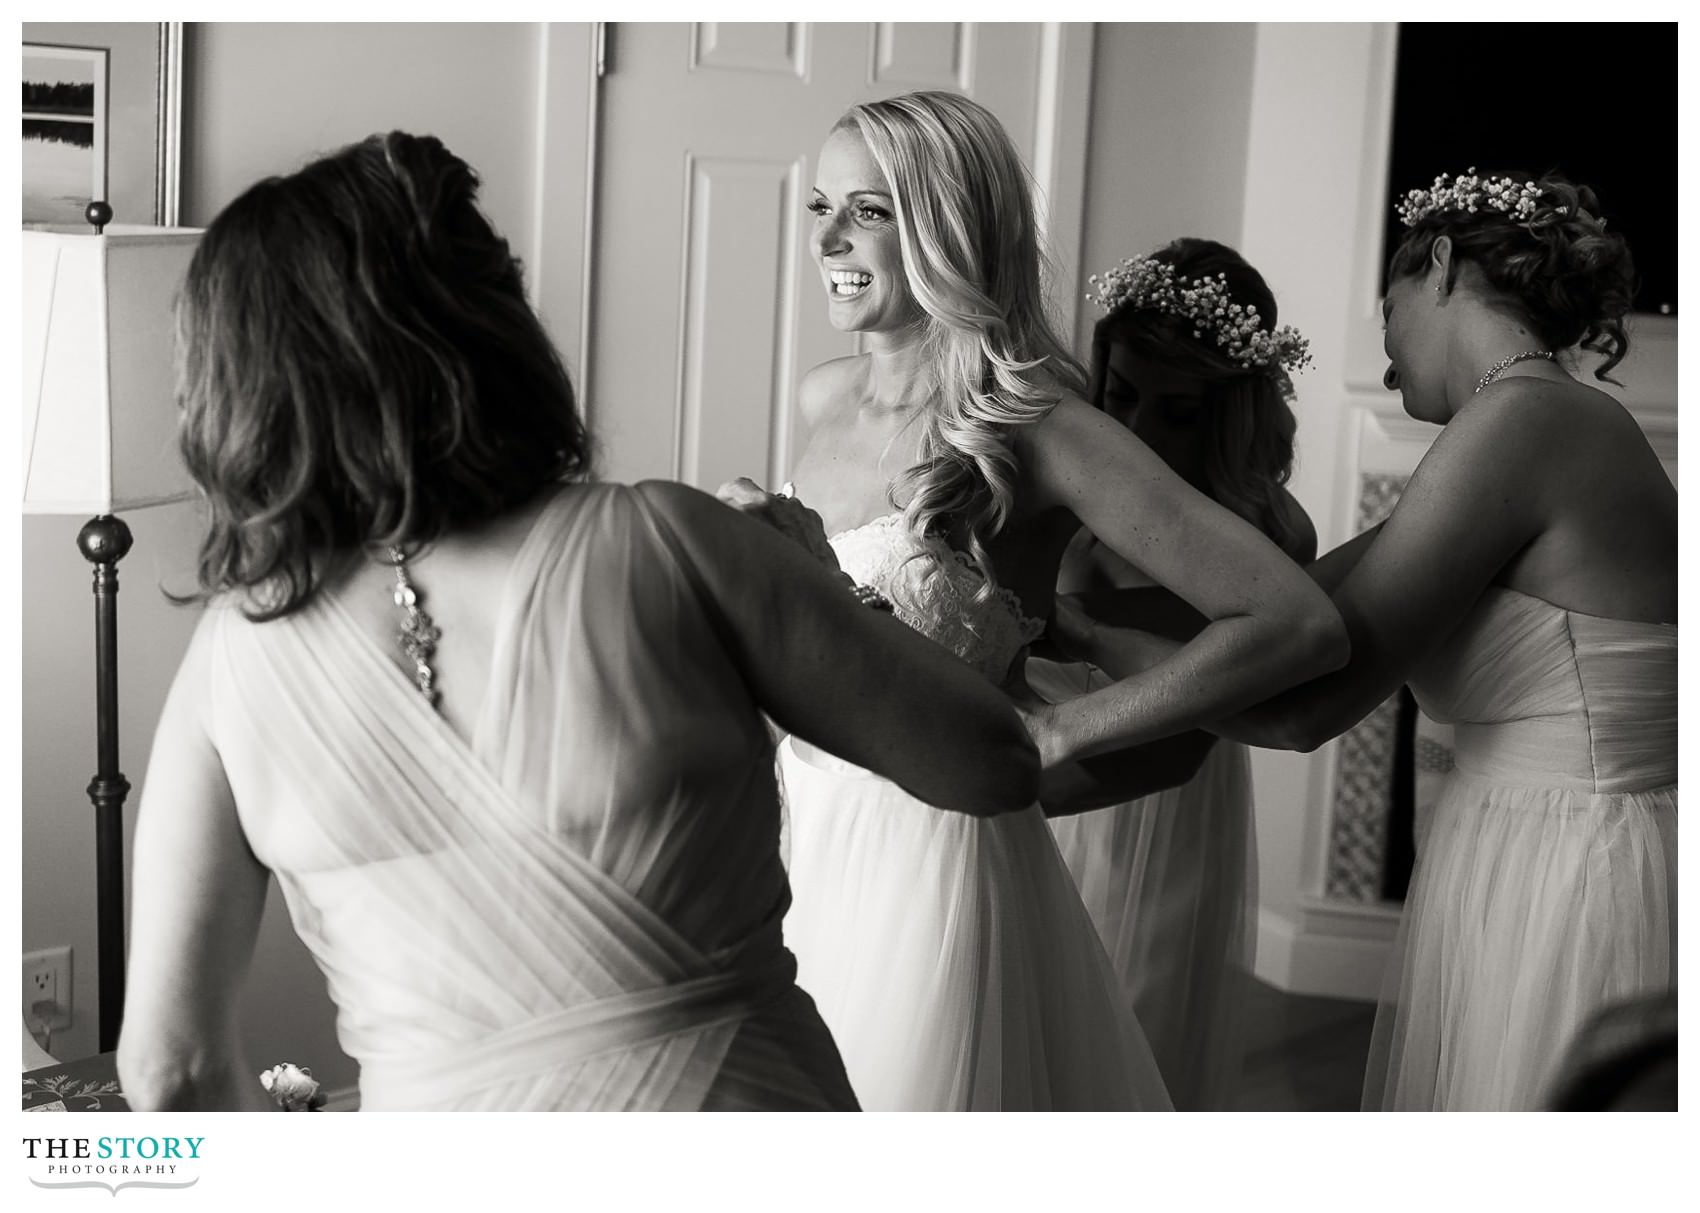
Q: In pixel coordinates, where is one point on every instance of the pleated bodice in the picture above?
(1548, 697)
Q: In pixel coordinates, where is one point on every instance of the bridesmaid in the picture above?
(1525, 586)
(1169, 878)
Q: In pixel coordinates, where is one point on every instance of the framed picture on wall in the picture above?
(64, 160)
(102, 106)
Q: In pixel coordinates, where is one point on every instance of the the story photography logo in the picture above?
(113, 1162)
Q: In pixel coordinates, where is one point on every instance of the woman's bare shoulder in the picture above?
(1549, 426)
(1070, 419)
(1073, 435)
(827, 383)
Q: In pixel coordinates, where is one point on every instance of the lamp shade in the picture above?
(99, 418)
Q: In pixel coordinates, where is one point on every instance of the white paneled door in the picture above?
(705, 309)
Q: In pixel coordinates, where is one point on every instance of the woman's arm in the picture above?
(199, 894)
(1331, 569)
(1150, 608)
(854, 681)
(1081, 785)
(1270, 625)
(1478, 497)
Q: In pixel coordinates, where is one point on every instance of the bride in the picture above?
(951, 463)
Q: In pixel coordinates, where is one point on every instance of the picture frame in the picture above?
(64, 133)
(127, 89)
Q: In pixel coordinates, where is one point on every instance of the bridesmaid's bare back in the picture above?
(460, 581)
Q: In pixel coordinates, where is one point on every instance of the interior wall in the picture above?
(1171, 116)
(1314, 267)
(259, 99)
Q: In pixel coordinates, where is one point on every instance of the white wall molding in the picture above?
(1365, 363)
(1061, 139)
(1335, 950)
(559, 268)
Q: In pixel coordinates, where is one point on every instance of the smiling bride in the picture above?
(951, 463)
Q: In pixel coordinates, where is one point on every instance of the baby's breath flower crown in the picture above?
(1469, 193)
(1147, 284)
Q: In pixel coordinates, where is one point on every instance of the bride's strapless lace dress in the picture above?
(950, 955)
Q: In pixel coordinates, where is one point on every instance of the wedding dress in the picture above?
(1545, 881)
(1170, 881)
(579, 905)
(950, 955)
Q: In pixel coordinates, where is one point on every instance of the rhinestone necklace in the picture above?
(418, 635)
(1499, 368)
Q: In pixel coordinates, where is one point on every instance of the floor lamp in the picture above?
(100, 437)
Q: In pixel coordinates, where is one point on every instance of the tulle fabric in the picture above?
(1170, 881)
(579, 906)
(1545, 883)
(951, 955)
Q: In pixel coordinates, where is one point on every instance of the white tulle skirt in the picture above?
(1529, 910)
(1170, 881)
(950, 955)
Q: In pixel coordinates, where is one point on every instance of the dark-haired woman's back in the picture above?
(575, 903)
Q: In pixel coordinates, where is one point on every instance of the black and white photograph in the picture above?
(64, 164)
(888, 566)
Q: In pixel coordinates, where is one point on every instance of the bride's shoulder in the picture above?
(825, 384)
(1071, 421)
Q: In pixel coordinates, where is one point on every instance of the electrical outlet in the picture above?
(47, 978)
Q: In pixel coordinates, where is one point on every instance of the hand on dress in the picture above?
(1071, 632)
(784, 513)
(1039, 715)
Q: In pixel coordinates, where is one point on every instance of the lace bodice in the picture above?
(932, 587)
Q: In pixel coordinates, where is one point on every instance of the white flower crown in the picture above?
(1147, 284)
(1470, 193)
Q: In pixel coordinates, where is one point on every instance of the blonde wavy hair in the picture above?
(972, 259)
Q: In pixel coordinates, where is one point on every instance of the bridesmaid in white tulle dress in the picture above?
(1525, 586)
(497, 732)
(1170, 878)
(952, 462)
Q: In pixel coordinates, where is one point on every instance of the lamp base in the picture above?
(104, 541)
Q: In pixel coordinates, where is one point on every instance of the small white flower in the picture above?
(293, 1087)
(1469, 193)
(1143, 283)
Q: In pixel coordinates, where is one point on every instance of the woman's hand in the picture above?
(1039, 716)
(1071, 631)
(784, 513)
